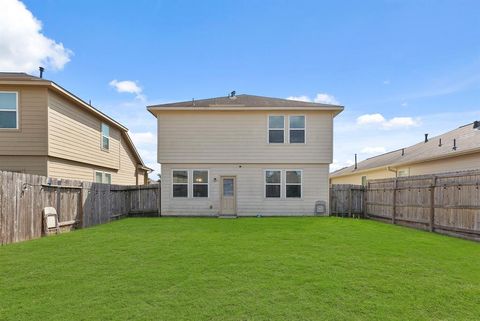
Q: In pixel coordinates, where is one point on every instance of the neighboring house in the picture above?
(456, 150)
(46, 130)
(244, 155)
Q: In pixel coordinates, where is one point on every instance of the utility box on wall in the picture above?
(320, 208)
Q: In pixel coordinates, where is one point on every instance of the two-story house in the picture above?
(46, 130)
(244, 155)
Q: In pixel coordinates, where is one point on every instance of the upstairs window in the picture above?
(105, 136)
(180, 183)
(8, 110)
(296, 129)
(276, 129)
(273, 184)
(200, 183)
(293, 184)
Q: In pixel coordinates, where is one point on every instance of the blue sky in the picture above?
(401, 68)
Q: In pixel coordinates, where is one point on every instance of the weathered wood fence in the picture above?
(347, 200)
(444, 203)
(79, 204)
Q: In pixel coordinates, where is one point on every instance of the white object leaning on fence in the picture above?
(50, 219)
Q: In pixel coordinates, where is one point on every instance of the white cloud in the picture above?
(370, 119)
(128, 86)
(143, 138)
(401, 122)
(373, 150)
(404, 104)
(386, 82)
(325, 99)
(396, 122)
(336, 165)
(23, 47)
(299, 98)
(321, 98)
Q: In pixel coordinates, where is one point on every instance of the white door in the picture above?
(228, 199)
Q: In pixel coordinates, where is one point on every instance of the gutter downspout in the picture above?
(394, 170)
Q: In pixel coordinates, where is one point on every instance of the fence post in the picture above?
(394, 205)
(365, 199)
(159, 200)
(58, 202)
(350, 202)
(80, 207)
(432, 204)
(330, 200)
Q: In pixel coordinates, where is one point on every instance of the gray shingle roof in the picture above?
(17, 76)
(467, 140)
(245, 101)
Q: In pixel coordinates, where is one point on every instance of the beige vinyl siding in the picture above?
(239, 137)
(25, 164)
(31, 137)
(357, 178)
(142, 177)
(451, 164)
(75, 134)
(63, 168)
(127, 174)
(250, 190)
(66, 169)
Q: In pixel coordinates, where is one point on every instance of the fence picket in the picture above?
(447, 203)
(79, 204)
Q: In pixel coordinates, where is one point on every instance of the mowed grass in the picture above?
(243, 269)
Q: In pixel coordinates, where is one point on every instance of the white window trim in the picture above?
(301, 183)
(102, 136)
(304, 129)
(17, 110)
(103, 177)
(268, 129)
(283, 184)
(207, 183)
(188, 183)
(265, 184)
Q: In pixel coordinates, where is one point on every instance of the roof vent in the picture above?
(403, 151)
(426, 138)
(356, 162)
(232, 95)
(476, 124)
(41, 71)
(439, 142)
(454, 144)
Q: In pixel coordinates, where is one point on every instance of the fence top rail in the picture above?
(477, 185)
(346, 187)
(62, 186)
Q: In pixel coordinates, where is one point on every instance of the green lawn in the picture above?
(244, 269)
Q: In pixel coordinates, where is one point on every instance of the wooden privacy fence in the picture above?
(347, 200)
(445, 203)
(79, 204)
